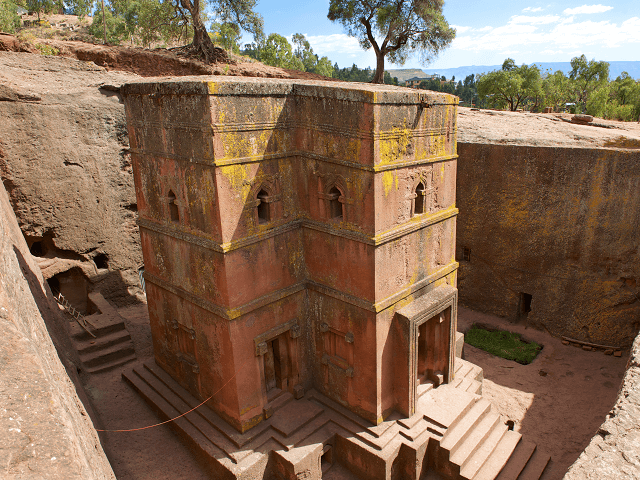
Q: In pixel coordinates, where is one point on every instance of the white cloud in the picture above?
(337, 42)
(603, 33)
(565, 36)
(461, 29)
(587, 9)
(543, 20)
(532, 10)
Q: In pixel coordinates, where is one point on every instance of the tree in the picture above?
(401, 27)
(556, 89)
(139, 21)
(43, 6)
(587, 76)
(9, 19)
(112, 25)
(353, 74)
(432, 84)
(469, 81)
(277, 52)
(511, 86)
(304, 52)
(509, 64)
(227, 35)
(237, 12)
(324, 67)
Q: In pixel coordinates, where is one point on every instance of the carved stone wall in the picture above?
(266, 204)
(552, 235)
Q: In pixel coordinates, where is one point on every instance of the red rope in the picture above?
(182, 415)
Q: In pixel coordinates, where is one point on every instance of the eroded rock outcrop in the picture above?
(64, 161)
(45, 430)
(614, 452)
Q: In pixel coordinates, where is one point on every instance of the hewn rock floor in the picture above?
(558, 401)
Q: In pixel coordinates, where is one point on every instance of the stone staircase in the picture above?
(467, 377)
(477, 444)
(458, 431)
(112, 346)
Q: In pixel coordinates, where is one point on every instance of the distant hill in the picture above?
(406, 73)
(615, 69)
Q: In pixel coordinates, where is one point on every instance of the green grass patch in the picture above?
(502, 344)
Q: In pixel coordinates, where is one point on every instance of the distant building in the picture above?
(414, 82)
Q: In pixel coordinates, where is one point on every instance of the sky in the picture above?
(488, 31)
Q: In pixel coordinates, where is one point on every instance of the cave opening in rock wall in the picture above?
(37, 249)
(101, 261)
(525, 303)
(73, 286)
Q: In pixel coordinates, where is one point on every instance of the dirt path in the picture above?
(559, 400)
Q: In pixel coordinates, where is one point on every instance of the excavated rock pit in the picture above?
(64, 162)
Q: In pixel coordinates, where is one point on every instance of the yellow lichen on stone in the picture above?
(238, 177)
(394, 147)
(353, 150)
(389, 179)
(212, 87)
(236, 146)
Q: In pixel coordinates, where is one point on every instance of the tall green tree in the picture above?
(227, 35)
(277, 52)
(303, 51)
(395, 28)
(587, 76)
(43, 6)
(311, 62)
(324, 67)
(556, 89)
(512, 86)
(237, 12)
(9, 19)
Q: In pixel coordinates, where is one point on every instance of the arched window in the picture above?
(264, 215)
(419, 207)
(173, 208)
(335, 206)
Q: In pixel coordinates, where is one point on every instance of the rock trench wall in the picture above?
(614, 452)
(558, 224)
(45, 430)
(65, 164)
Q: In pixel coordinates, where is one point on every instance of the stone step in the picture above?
(199, 443)
(424, 388)
(486, 448)
(535, 466)
(280, 401)
(498, 458)
(107, 354)
(98, 327)
(446, 405)
(462, 368)
(468, 385)
(459, 432)
(180, 405)
(110, 365)
(465, 369)
(107, 340)
(518, 460)
(237, 438)
(476, 438)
